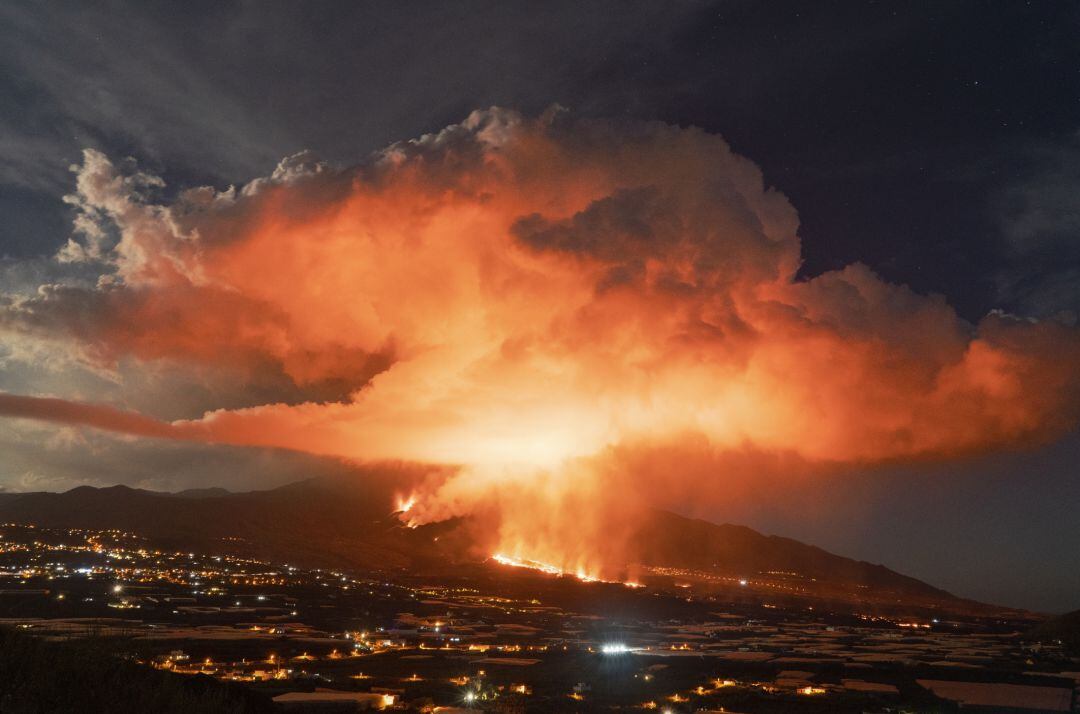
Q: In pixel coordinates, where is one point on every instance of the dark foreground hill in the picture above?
(89, 676)
(335, 523)
(1063, 628)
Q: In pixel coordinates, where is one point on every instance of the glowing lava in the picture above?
(526, 563)
(404, 505)
(550, 569)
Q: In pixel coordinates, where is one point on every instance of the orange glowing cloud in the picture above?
(524, 299)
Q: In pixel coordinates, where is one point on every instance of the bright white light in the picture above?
(743, 582)
(470, 697)
(616, 648)
(117, 588)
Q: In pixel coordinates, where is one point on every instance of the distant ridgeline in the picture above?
(348, 523)
(89, 676)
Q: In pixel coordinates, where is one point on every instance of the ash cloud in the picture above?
(529, 300)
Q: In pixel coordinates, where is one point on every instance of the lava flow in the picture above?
(550, 569)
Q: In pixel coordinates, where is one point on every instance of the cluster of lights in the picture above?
(615, 648)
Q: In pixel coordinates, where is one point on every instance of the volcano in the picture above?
(339, 523)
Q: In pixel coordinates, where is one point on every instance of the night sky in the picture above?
(936, 143)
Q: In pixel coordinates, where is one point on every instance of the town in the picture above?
(485, 640)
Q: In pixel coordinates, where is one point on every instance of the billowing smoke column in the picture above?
(535, 303)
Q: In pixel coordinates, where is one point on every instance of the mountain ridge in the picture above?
(349, 523)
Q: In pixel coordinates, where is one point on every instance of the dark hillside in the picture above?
(87, 676)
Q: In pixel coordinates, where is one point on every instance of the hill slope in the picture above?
(1063, 628)
(333, 523)
(672, 540)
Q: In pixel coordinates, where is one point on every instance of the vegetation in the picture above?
(38, 676)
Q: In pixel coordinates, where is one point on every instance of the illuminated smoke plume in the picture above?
(537, 303)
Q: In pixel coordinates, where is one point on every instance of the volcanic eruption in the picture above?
(536, 308)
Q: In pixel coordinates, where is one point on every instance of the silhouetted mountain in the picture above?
(318, 522)
(1063, 628)
(202, 493)
(348, 523)
(671, 540)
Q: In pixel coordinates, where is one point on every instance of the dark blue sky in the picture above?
(939, 143)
